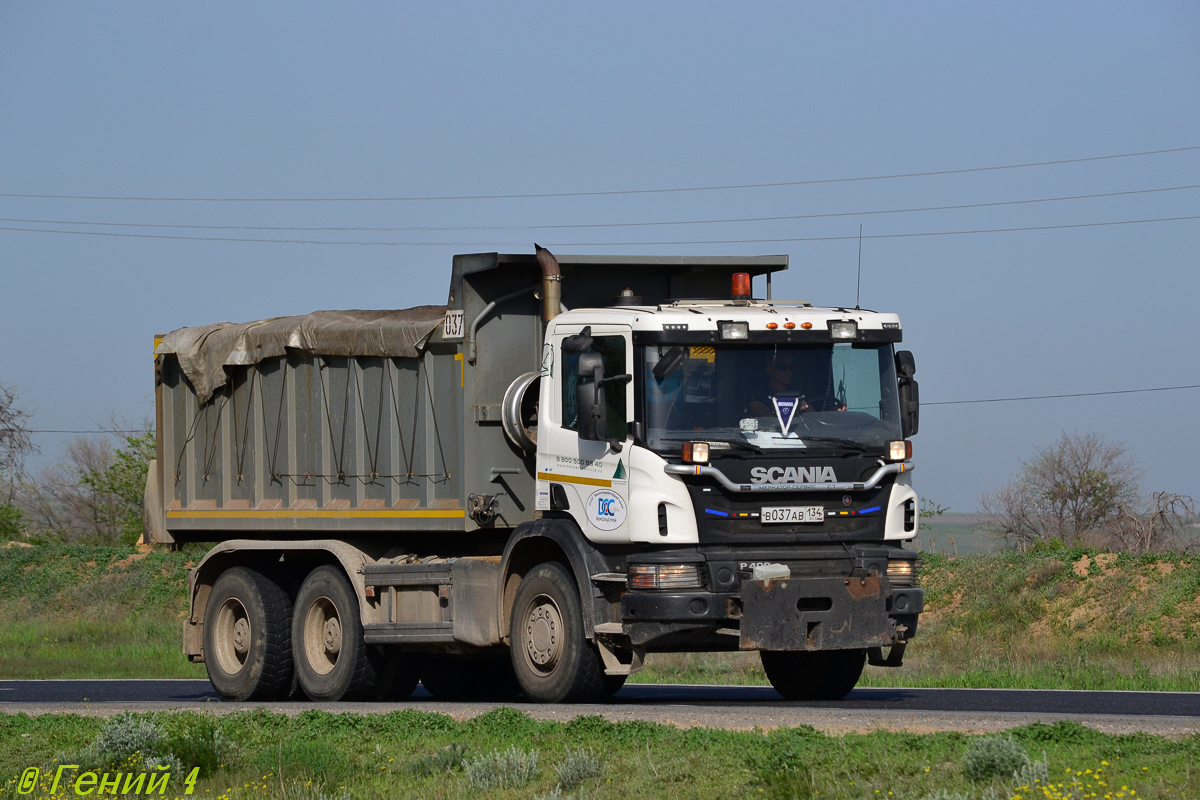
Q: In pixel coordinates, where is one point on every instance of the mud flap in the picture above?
(815, 614)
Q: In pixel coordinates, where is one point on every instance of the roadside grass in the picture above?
(93, 612)
(370, 756)
(1072, 619)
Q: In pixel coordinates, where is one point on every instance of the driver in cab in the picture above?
(779, 371)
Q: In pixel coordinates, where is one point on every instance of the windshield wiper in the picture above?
(847, 443)
(731, 442)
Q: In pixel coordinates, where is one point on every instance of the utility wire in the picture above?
(1054, 396)
(596, 244)
(878, 235)
(717, 221)
(96, 431)
(608, 193)
(938, 403)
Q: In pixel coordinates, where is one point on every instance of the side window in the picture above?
(612, 350)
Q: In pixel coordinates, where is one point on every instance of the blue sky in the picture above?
(384, 100)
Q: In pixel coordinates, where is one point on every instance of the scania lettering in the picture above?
(572, 463)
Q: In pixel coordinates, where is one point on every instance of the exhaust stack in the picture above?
(551, 282)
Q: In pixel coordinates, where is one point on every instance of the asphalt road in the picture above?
(973, 710)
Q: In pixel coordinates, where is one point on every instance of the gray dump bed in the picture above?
(355, 422)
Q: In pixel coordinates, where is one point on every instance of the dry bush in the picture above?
(1155, 527)
(15, 442)
(1074, 491)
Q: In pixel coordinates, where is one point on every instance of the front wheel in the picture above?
(247, 630)
(820, 675)
(552, 658)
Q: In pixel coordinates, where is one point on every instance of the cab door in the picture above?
(591, 478)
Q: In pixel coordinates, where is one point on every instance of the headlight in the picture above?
(902, 573)
(734, 331)
(695, 452)
(899, 450)
(664, 576)
(843, 329)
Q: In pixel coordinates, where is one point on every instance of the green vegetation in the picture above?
(1052, 618)
(350, 755)
(93, 612)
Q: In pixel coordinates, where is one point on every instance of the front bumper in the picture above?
(830, 613)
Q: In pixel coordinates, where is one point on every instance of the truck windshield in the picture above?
(838, 396)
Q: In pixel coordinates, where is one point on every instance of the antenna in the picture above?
(858, 289)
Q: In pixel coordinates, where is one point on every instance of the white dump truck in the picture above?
(573, 463)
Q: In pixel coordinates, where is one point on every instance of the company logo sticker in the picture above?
(606, 510)
(785, 410)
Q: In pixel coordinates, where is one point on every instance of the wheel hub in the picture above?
(322, 636)
(333, 636)
(543, 634)
(232, 636)
(241, 637)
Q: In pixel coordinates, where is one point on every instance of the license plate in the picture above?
(793, 514)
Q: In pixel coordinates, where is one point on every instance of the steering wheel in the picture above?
(826, 403)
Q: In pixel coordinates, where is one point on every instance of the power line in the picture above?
(715, 221)
(607, 193)
(95, 431)
(1054, 396)
(598, 244)
(878, 235)
(936, 403)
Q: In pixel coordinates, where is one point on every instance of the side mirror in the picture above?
(906, 365)
(589, 397)
(910, 394)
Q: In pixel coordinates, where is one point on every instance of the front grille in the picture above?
(727, 517)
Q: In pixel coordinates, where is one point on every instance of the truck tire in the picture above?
(820, 675)
(611, 685)
(247, 636)
(553, 660)
(333, 662)
(453, 677)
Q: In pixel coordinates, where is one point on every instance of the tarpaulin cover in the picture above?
(205, 351)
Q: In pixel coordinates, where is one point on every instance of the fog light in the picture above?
(695, 452)
(843, 329)
(735, 331)
(664, 576)
(899, 450)
(902, 572)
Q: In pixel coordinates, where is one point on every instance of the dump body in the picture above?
(304, 434)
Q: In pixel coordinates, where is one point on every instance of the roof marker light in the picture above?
(789, 325)
(741, 286)
(772, 325)
(806, 325)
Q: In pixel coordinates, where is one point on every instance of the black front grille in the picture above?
(726, 517)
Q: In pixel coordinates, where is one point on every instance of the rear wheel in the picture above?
(821, 675)
(553, 660)
(333, 662)
(247, 630)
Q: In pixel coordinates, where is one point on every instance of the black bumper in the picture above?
(793, 614)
